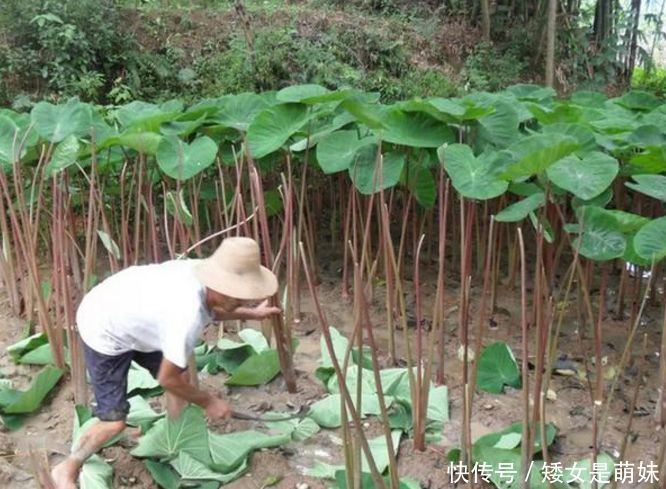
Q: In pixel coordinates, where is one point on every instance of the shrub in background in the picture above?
(59, 47)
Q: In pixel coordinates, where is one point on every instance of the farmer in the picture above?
(154, 314)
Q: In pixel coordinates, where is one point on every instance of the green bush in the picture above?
(655, 82)
(489, 69)
(63, 47)
(343, 57)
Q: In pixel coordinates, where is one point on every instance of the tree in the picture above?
(551, 28)
(485, 19)
(633, 39)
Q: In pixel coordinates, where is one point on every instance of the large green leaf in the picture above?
(182, 128)
(647, 135)
(650, 241)
(501, 127)
(511, 437)
(415, 129)
(55, 122)
(639, 100)
(163, 474)
(238, 111)
(534, 154)
(143, 116)
(167, 438)
(66, 154)
(301, 93)
(190, 469)
(585, 177)
(497, 368)
(652, 185)
(652, 160)
(230, 450)
(42, 355)
(364, 170)
(232, 354)
(140, 412)
(602, 238)
(177, 207)
(588, 98)
(460, 110)
(378, 450)
(602, 472)
(255, 339)
(352, 379)
(521, 209)
(337, 150)
(181, 160)
(298, 429)
(17, 350)
(632, 256)
(142, 142)
(311, 140)
(558, 113)
(627, 222)
(11, 138)
(583, 134)
(340, 344)
(327, 413)
(471, 176)
(438, 404)
(272, 127)
(537, 93)
(140, 379)
(372, 115)
(31, 399)
(95, 474)
(256, 370)
(8, 395)
(422, 184)
(503, 467)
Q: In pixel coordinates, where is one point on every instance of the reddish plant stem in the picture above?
(417, 406)
(482, 313)
(365, 317)
(345, 258)
(438, 313)
(526, 448)
(599, 391)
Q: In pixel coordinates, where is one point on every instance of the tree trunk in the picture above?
(633, 39)
(485, 19)
(657, 33)
(551, 28)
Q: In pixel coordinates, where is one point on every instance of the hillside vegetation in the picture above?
(115, 51)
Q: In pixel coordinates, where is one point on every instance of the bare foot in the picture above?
(64, 474)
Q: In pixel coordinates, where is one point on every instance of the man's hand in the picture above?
(264, 310)
(218, 409)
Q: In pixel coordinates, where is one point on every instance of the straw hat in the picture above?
(235, 270)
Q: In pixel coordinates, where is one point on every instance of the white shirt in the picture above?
(146, 308)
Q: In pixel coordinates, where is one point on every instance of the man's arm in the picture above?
(262, 311)
(171, 378)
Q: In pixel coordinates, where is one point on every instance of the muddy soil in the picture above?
(570, 409)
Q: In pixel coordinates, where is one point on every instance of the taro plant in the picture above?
(506, 186)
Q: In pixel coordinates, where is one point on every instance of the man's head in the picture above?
(215, 300)
(233, 274)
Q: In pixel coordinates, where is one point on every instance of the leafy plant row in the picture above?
(522, 143)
